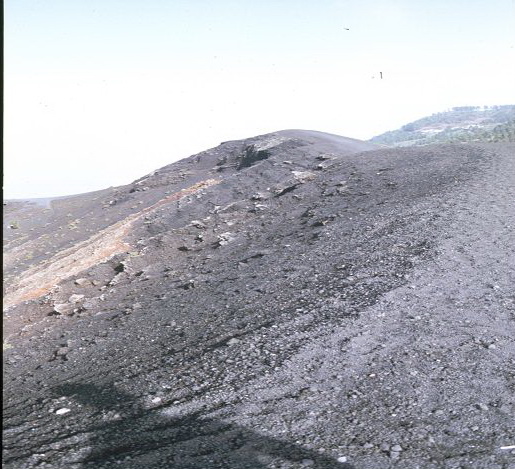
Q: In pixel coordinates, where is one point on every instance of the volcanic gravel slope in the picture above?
(291, 300)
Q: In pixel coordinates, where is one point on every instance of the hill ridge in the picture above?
(287, 300)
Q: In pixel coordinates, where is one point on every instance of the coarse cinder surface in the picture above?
(292, 300)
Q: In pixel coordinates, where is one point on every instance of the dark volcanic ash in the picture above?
(296, 299)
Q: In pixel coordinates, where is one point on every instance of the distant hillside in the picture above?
(459, 125)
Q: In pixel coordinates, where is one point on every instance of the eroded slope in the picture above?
(314, 304)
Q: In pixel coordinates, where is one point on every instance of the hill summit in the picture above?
(291, 300)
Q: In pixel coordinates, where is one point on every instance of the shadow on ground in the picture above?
(133, 436)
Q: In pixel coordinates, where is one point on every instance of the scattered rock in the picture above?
(258, 208)
(189, 284)
(198, 224)
(62, 351)
(303, 176)
(225, 238)
(321, 222)
(82, 282)
(324, 157)
(76, 298)
(281, 191)
(307, 462)
(63, 308)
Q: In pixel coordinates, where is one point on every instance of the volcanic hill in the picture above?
(296, 299)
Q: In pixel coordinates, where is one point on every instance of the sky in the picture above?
(98, 93)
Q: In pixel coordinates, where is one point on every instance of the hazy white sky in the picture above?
(101, 92)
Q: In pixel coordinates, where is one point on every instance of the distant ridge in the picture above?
(457, 125)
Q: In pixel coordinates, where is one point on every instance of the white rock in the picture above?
(62, 411)
(303, 176)
(82, 282)
(233, 341)
(63, 308)
(342, 459)
(225, 238)
(76, 298)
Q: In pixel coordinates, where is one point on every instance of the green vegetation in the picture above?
(458, 125)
